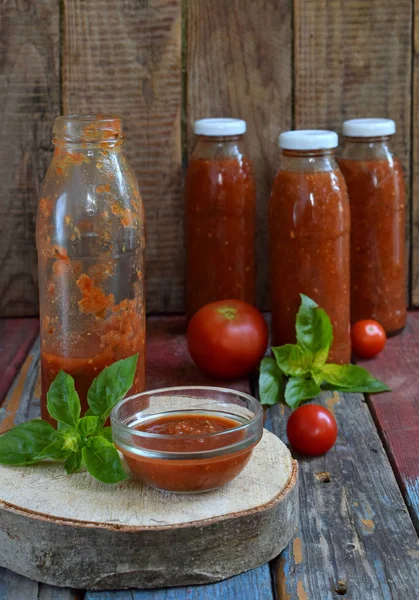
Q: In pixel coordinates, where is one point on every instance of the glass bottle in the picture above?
(309, 228)
(220, 216)
(90, 242)
(374, 178)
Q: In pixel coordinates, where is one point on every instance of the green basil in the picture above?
(305, 363)
(351, 378)
(270, 382)
(76, 439)
(293, 359)
(87, 425)
(297, 390)
(102, 460)
(22, 444)
(71, 439)
(73, 462)
(63, 402)
(106, 432)
(314, 330)
(54, 451)
(110, 386)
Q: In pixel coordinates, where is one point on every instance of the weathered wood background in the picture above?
(163, 63)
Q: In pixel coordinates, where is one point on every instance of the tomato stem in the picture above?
(228, 312)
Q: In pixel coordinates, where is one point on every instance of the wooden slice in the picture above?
(75, 531)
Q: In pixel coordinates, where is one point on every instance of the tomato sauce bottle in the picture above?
(376, 190)
(309, 228)
(220, 216)
(90, 242)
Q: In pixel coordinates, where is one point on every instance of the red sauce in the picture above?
(220, 231)
(309, 227)
(378, 271)
(119, 332)
(189, 474)
(90, 241)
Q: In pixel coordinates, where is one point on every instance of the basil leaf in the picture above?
(317, 376)
(54, 451)
(106, 432)
(293, 360)
(314, 330)
(270, 382)
(110, 386)
(22, 444)
(102, 460)
(351, 378)
(63, 401)
(71, 440)
(298, 390)
(87, 426)
(73, 462)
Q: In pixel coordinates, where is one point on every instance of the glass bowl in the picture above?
(199, 438)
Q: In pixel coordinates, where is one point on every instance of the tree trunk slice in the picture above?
(75, 531)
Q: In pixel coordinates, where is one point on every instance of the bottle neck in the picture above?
(308, 161)
(87, 132)
(212, 147)
(366, 148)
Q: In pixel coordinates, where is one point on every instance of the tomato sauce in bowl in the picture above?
(199, 445)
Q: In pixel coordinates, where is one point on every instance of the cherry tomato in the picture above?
(228, 338)
(312, 429)
(368, 338)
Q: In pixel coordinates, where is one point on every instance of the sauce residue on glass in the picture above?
(309, 229)
(220, 231)
(191, 433)
(91, 258)
(378, 271)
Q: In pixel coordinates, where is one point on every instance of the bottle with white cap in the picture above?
(374, 178)
(220, 216)
(309, 228)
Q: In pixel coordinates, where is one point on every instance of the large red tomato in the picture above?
(228, 338)
(311, 429)
(368, 338)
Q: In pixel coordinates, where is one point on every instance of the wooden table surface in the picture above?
(359, 504)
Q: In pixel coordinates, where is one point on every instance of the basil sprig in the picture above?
(304, 363)
(76, 441)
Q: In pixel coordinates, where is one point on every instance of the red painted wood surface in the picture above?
(168, 363)
(16, 338)
(397, 413)
(168, 359)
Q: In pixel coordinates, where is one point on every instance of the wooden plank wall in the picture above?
(277, 63)
(29, 101)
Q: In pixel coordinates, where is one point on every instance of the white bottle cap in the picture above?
(220, 127)
(368, 127)
(308, 139)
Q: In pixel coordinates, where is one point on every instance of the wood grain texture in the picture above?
(352, 59)
(22, 400)
(397, 413)
(415, 161)
(239, 65)
(16, 587)
(16, 337)
(254, 585)
(131, 536)
(29, 101)
(166, 345)
(125, 57)
(355, 531)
